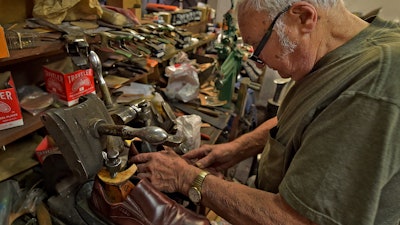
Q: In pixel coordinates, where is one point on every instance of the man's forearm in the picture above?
(240, 204)
(253, 142)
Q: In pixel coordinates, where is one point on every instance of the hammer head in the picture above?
(73, 132)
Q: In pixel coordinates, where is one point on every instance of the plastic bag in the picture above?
(188, 127)
(56, 11)
(183, 82)
(179, 58)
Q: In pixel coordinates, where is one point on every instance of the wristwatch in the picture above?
(195, 189)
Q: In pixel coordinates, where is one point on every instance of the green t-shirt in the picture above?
(335, 155)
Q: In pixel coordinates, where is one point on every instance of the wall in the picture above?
(15, 10)
(390, 8)
(221, 7)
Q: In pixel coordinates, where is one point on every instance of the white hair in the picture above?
(288, 45)
(273, 7)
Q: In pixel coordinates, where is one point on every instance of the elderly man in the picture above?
(333, 154)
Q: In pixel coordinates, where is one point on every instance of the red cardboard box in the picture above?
(10, 111)
(67, 82)
(46, 148)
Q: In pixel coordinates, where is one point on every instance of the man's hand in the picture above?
(217, 157)
(220, 157)
(166, 170)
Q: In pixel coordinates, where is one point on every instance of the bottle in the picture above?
(180, 4)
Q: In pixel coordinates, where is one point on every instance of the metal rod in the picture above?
(152, 134)
(98, 71)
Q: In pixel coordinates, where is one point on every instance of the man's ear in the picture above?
(305, 15)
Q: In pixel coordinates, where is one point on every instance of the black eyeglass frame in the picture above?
(255, 56)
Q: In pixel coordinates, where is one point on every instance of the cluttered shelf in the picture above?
(18, 143)
(204, 39)
(31, 124)
(19, 156)
(42, 50)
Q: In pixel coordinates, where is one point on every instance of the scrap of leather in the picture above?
(143, 206)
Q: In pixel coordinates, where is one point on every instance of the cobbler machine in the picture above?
(95, 139)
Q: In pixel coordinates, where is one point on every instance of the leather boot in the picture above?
(143, 206)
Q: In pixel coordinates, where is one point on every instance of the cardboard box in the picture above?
(68, 83)
(10, 111)
(204, 13)
(45, 148)
(4, 53)
(166, 16)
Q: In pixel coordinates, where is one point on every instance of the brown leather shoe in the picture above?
(143, 206)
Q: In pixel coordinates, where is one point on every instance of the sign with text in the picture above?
(10, 111)
(67, 83)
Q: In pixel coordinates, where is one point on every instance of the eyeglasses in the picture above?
(255, 56)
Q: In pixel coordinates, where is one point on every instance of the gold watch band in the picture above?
(198, 181)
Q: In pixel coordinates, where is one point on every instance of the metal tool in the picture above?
(127, 112)
(78, 49)
(152, 134)
(219, 122)
(280, 92)
(82, 132)
(70, 128)
(207, 111)
(144, 112)
(280, 84)
(98, 71)
(226, 80)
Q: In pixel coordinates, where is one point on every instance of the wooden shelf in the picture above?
(205, 40)
(18, 156)
(19, 143)
(31, 124)
(44, 49)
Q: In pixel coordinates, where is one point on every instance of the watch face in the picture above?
(194, 195)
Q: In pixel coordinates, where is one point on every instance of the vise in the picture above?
(89, 139)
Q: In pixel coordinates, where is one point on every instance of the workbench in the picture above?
(16, 159)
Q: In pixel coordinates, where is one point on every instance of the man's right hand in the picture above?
(221, 157)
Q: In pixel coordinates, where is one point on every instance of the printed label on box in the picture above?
(69, 86)
(10, 111)
(46, 148)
